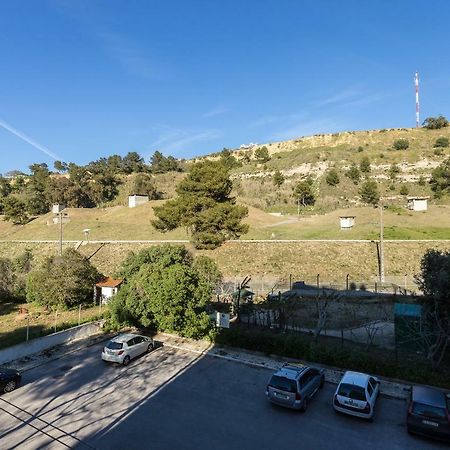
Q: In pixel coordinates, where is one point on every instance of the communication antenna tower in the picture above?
(416, 83)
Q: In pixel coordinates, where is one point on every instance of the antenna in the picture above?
(416, 83)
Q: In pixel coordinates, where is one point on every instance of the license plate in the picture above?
(429, 422)
(277, 394)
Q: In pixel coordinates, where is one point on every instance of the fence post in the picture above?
(346, 280)
(28, 327)
(318, 280)
(376, 287)
(290, 281)
(56, 318)
(79, 315)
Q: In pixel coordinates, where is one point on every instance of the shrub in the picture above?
(401, 144)
(435, 123)
(441, 142)
(353, 173)
(364, 165)
(438, 151)
(404, 190)
(369, 192)
(421, 181)
(332, 177)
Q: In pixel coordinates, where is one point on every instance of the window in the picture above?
(429, 411)
(283, 384)
(306, 378)
(352, 391)
(114, 345)
(131, 342)
(369, 389)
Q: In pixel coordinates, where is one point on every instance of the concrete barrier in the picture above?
(45, 342)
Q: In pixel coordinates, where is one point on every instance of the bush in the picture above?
(435, 123)
(364, 165)
(442, 142)
(421, 181)
(332, 177)
(404, 190)
(401, 144)
(438, 151)
(369, 192)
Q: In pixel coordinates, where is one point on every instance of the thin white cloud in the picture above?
(274, 119)
(175, 139)
(129, 55)
(217, 111)
(28, 140)
(308, 127)
(339, 97)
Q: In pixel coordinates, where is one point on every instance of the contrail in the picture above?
(30, 141)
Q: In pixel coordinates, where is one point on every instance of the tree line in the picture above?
(92, 185)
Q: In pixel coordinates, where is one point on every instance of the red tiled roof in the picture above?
(109, 282)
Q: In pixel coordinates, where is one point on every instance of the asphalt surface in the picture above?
(175, 399)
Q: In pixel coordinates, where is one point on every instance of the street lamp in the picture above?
(58, 210)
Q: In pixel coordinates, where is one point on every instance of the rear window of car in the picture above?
(429, 411)
(114, 345)
(352, 391)
(282, 383)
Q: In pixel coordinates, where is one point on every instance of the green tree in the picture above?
(364, 165)
(440, 179)
(394, 170)
(421, 181)
(369, 192)
(401, 144)
(204, 206)
(143, 184)
(435, 123)
(434, 282)
(441, 142)
(303, 192)
(37, 202)
(278, 178)
(60, 166)
(262, 154)
(353, 173)
(404, 190)
(62, 281)
(166, 290)
(7, 279)
(161, 164)
(15, 211)
(228, 159)
(332, 177)
(132, 162)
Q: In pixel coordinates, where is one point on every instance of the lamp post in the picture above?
(382, 279)
(58, 209)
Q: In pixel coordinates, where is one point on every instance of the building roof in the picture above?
(417, 198)
(109, 282)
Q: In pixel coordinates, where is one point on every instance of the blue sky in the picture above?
(84, 79)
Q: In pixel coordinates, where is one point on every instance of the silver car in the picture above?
(123, 348)
(294, 385)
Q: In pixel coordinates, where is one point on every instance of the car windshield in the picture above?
(352, 391)
(429, 411)
(284, 384)
(114, 345)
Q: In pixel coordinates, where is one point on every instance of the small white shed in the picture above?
(106, 289)
(418, 203)
(136, 200)
(347, 222)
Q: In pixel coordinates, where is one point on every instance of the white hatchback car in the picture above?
(356, 395)
(123, 348)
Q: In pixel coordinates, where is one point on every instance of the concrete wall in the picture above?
(42, 343)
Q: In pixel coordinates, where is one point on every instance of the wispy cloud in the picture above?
(217, 111)
(172, 140)
(28, 140)
(308, 127)
(274, 119)
(339, 97)
(129, 55)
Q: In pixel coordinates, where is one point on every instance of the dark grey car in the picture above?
(294, 385)
(429, 413)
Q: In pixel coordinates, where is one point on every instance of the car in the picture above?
(356, 395)
(123, 348)
(294, 385)
(428, 412)
(9, 379)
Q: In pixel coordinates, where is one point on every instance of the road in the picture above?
(174, 399)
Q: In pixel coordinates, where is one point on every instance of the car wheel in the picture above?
(126, 360)
(322, 382)
(10, 386)
(150, 347)
(305, 404)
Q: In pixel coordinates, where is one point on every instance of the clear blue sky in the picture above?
(85, 79)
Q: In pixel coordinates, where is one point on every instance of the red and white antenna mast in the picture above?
(416, 82)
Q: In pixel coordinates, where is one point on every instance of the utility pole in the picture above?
(60, 233)
(416, 83)
(381, 243)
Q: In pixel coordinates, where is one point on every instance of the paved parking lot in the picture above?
(174, 399)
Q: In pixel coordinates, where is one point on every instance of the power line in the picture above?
(46, 423)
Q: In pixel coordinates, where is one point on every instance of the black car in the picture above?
(429, 413)
(9, 379)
